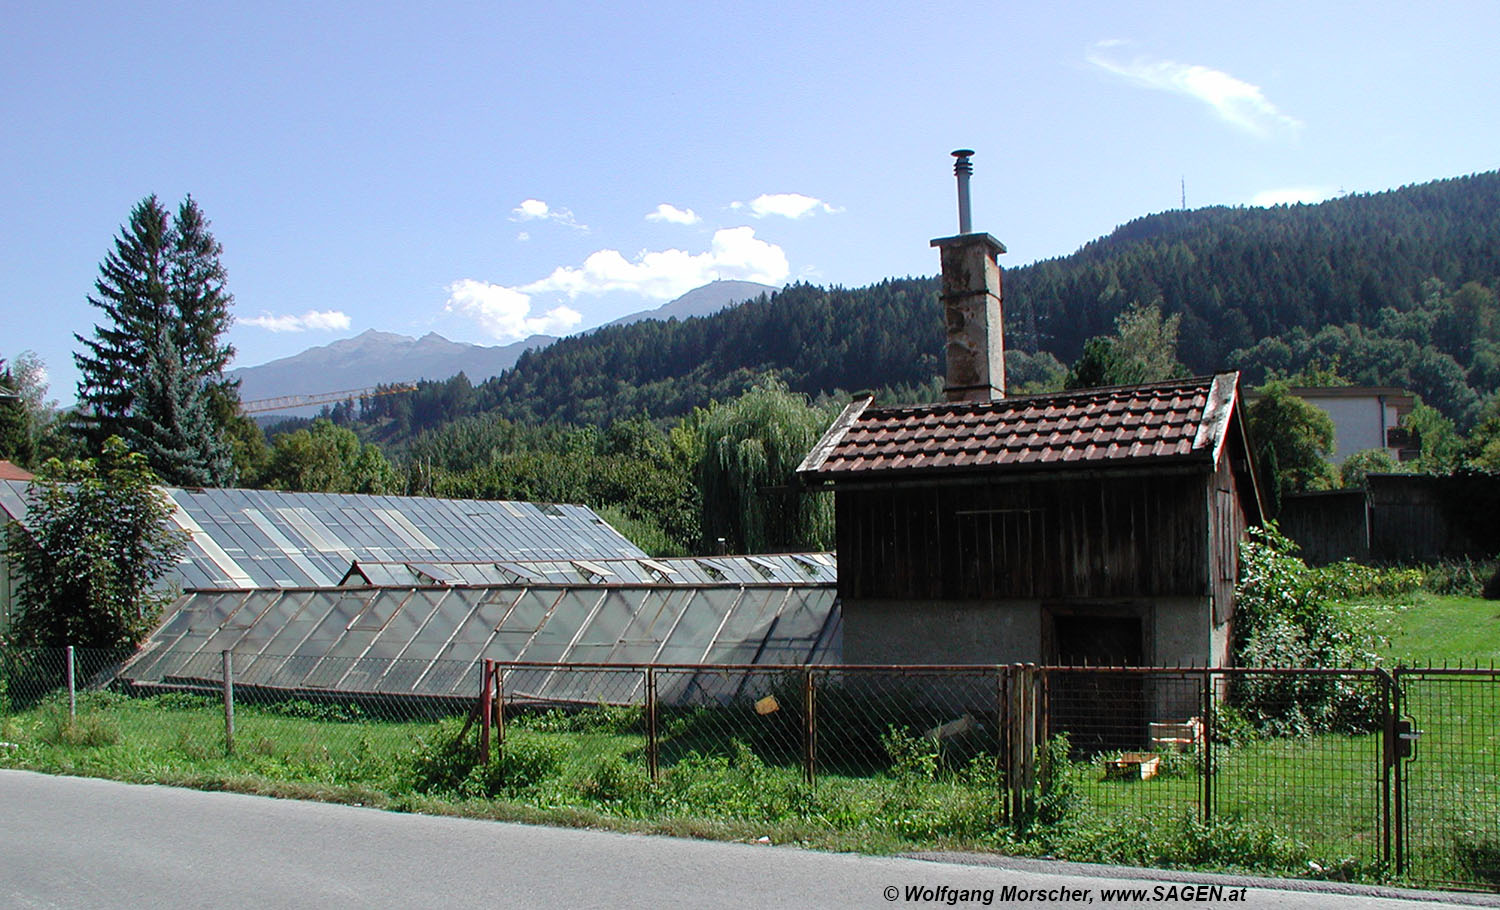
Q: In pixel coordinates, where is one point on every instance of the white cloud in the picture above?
(523, 236)
(311, 321)
(787, 205)
(673, 215)
(734, 253)
(505, 313)
(537, 210)
(1291, 195)
(1236, 101)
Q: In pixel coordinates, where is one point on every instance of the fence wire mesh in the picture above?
(1306, 762)
(1451, 778)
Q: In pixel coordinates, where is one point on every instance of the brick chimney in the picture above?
(973, 307)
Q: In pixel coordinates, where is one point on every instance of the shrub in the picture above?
(337, 712)
(1286, 617)
(440, 761)
(614, 780)
(912, 757)
(1229, 842)
(522, 763)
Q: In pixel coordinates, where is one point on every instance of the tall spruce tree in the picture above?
(154, 371)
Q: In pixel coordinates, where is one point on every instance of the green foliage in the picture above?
(328, 459)
(1286, 617)
(440, 760)
(1057, 794)
(1358, 466)
(747, 479)
(1291, 439)
(332, 711)
(521, 763)
(1143, 349)
(99, 541)
(1439, 447)
(912, 756)
(155, 367)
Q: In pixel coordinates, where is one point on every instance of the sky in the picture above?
(491, 170)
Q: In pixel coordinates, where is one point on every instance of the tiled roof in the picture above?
(1107, 427)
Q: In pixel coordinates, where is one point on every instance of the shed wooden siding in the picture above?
(1229, 525)
(1130, 536)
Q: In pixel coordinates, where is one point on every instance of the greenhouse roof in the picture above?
(243, 539)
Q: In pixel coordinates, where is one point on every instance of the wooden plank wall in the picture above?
(1042, 538)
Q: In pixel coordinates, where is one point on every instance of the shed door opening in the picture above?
(1100, 710)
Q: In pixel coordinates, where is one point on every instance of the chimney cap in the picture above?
(961, 153)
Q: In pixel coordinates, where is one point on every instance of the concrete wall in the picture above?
(1359, 423)
(1179, 631)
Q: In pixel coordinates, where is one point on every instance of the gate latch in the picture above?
(1406, 739)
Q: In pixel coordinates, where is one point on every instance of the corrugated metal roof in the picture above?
(1106, 427)
(430, 641)
(264, 538)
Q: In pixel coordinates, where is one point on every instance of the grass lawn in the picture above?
(1434, 629)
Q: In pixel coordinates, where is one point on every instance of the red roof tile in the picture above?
(1181, 419)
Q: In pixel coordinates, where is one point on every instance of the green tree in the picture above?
(1358, 466)
(173, 429)
(1483, 448)
(1292, 440)
(162, 292)
(1143, 349)
(1440, 448)
(96, 542)
(17, 441)
(328, 459)
(750, 493)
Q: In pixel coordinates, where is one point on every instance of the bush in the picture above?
(913, 757)
(1286, 617)
(440, 761)
(1459, 578)
(337, 712)
(522, 763)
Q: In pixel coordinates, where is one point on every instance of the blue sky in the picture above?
(489, 170)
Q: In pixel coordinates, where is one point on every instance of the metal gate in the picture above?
(1445, 746)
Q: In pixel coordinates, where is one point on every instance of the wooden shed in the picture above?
(1099, 526)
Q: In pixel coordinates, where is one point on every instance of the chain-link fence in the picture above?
(1340, 773)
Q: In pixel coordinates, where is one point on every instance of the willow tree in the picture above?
(750, 449)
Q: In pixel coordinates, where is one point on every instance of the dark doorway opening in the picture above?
(1100, 710)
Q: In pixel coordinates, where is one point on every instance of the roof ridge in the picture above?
(1203, 381)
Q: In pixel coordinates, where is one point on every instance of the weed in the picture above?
(89, 729)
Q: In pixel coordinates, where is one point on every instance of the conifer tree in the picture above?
(154, 371)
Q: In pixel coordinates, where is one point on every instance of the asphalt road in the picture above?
(81, 843)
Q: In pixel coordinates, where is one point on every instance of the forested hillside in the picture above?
(1392, 288)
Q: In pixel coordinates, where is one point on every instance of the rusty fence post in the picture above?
(1002, 744)
(653, 744)
(228, 682)
(810, 728)
(486, 710)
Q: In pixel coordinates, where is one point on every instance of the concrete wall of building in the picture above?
(1179, 630)
(1359, 423)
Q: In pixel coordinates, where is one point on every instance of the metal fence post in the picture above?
(1393, 782)
(72, 688)
(1002, 743)
(486, 709)
(1209, 704)
(653, 758)
(810, 728)
(228, 659)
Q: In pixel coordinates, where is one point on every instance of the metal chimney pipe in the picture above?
(963, 168)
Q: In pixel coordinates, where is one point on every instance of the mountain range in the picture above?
(381, 358)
